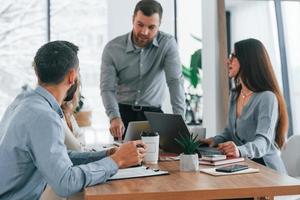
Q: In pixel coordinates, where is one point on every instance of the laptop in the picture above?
(169, 127)
(134, 129)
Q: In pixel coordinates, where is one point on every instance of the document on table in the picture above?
(135, 172)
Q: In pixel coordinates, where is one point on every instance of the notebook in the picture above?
(220, 162)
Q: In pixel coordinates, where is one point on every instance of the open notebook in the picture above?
(136, 172)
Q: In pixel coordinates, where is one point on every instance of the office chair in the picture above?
(290, 155)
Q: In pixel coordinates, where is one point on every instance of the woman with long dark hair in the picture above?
(257, 119)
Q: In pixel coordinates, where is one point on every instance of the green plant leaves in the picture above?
(188, 142)
(192, 73)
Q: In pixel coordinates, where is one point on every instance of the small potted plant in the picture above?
(189, 160)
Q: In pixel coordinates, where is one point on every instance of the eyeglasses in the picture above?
(231, 57)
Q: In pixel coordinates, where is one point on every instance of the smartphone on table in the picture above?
(232, 168)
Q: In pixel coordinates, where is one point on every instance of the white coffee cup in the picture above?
(152, 141)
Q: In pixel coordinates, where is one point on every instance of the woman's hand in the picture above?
(229, 149)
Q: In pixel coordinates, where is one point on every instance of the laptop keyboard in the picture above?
(208, 151)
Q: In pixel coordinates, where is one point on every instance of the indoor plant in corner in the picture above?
(189, 160)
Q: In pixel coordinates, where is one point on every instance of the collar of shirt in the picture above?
(130, 46)
(50, 99)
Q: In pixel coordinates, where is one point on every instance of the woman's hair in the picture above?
(257, 74)
(71, 91)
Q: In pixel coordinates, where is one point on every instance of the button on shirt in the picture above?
(32, 151)
(137, 76)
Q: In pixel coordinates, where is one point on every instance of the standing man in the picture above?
(32, 150)
(135, 67)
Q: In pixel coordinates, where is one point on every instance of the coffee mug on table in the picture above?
(152, 141)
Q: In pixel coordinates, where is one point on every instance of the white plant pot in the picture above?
(189, 162)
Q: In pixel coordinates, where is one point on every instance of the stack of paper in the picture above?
(203, 161)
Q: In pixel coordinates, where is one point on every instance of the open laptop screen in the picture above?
(134, 130)
(169, 127)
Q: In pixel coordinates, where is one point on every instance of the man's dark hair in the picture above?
(148, 8)
(53, 61)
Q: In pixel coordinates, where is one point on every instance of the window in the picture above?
(255, 19)
(291, 17)
(23, 31)
(84, 24)
(189, 29)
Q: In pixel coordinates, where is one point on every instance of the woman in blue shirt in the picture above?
(257, 119)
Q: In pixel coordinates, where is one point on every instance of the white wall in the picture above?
(119, 15)
(215, 86)
(256, 19)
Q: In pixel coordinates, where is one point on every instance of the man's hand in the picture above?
(117, 127)
(112, 151)
(229, 149)
(130, 154)
(209, 141)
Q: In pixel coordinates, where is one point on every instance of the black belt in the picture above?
(139, 108)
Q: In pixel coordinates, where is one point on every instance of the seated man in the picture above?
(32, 150)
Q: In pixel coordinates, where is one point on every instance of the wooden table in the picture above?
(196, 186)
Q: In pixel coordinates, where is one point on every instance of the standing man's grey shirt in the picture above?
(137, 76)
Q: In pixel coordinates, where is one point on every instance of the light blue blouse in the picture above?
(254, 131)
(32, 151)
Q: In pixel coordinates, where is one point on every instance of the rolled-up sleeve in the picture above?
(51, 158)
(174, 77)
(108, 78)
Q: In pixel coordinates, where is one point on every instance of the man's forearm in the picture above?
(110, 104)
(177, 97)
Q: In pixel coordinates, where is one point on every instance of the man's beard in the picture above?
(142, 41)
